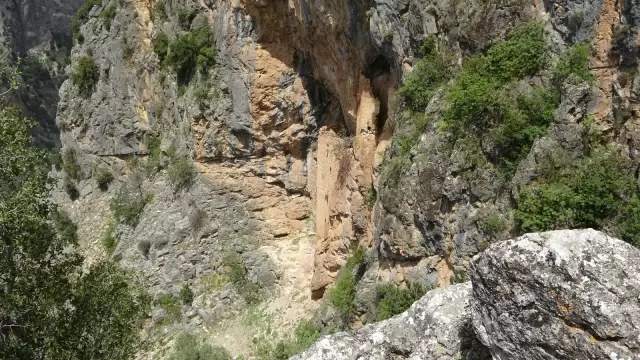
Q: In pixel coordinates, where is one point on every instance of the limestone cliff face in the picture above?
(38, 31)
(288, 133)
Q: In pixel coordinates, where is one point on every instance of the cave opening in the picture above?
(379, 73)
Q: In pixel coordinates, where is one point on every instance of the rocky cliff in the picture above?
(238, 152)
(555, 295)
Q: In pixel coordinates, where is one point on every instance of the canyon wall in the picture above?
(283, 158)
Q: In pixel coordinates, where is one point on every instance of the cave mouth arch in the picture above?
(379, 73)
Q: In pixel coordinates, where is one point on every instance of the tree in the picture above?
(49, 307)
(9, 74)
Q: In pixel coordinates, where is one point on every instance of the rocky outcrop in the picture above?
(438, 326)
(570, 294)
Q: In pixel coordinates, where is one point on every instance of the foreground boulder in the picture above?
(558, 295)
(438, 326)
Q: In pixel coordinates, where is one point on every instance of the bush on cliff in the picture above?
(599, 191)
(85, 75)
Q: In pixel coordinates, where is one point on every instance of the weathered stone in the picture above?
(569, 294)
(438, 326)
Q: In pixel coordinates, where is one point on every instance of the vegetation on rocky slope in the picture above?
(50, 307)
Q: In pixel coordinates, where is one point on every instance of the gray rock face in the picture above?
(570, 294)
(435, 327)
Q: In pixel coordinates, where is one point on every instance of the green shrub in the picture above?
(459, 277)
(523, 120)
(82, 15)
(494, 225)
(65, 227)
(70, 187)
(109, 240)
(186, 294)
(161, 46)
(237, 274)
(599, 191)
(188, 347)
(85, 75)
(144, 247)
(415, 124)
(428, 74)
(181, 172)
(620, 34)
(371, 198)
(103, 177)
(197, 219)
(304, 336)
(343, 293)
(107, 16)
(160, 10)
(574, 61)
(190, 52)
(393, 300)
(70, 163)
(184, 17)
(127, 205)
(524, 53)
(171, 306)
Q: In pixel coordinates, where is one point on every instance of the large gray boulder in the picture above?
(438, 326)
(571, 294)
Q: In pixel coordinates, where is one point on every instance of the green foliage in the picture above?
(103, 177)
(82, 15)
(190, 52)
(599, 192)
(494, 225)
(416, 124)
(524, 119)
(184, 17)
(181, 172)
(197, 219)
(428, 74)
(107, 16)
(343, 293)
(160, 10)
(9, 75)
(85, 75)
(62, 310)
(393, 300)
(171, 306)
(161, 46)
(371, 198)
(303, 337)
(524, 53)
(269, 348)
(237, 274)
(144, 247)
(110, 240)
(188, 347)
(620, 34)
(574, 61)
(128, 204)
(70, 163)
(474, 101)
(186, 294)
(459, 277)
(70, 188)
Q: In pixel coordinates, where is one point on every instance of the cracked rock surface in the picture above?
(569, 294)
